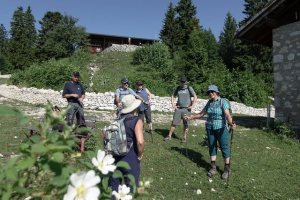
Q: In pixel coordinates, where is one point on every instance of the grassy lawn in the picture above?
(263, 166)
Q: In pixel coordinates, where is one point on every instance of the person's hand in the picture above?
(175, 107)
(120, 105)
(187, 117)
(233, 126)
(75, 95)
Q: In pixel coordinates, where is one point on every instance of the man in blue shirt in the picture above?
(74, 93)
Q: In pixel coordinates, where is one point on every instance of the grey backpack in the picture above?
(115, 139)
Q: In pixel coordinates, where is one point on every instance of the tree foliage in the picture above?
(60, 36)
(228, 42)
(169, 29)
(251, 8)
(22, 44)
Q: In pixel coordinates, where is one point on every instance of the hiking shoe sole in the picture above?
(167, 138)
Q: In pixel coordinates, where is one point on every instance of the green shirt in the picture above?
(216, 116)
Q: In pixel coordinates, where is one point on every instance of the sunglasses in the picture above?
(210, 91)
(125, 83)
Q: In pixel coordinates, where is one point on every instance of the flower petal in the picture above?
(91, 179)
(71, 193)
(92, 193)
(76, 179)
(100, 155)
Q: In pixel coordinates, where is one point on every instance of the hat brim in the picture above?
(132, 107)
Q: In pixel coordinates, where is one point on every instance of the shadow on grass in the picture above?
(165, 132)
(251, 121)
(194, 156)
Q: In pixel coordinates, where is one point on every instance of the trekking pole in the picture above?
(151, 135)
(231, 139)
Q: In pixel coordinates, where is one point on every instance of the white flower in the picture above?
(210, 180)
(147, 184)
(213, 190)
(199, 191)
(83, 186)
(123, 193)
(104, 163)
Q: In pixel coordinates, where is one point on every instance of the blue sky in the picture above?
(134, 18)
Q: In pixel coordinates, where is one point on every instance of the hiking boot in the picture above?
(212, 171)
(167, 138)
(183, 140)
(226, 172)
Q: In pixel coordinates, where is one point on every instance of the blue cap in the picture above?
(213, 88)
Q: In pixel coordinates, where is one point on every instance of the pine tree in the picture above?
(211, 45)
(21, 46)
(169, 30)
(3, 37)
(227, 41)
(251, 8)
(60, 36)
(48, 23)
(187, 22)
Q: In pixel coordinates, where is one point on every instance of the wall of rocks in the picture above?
(286, 60)
(104, 101)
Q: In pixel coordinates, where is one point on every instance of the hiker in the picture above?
(144, 108)
(217, 110)
(186, 99)
(122, 91)
(74, 93)
(135, 140)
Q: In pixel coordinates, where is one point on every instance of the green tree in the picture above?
(227, 41)
(59, 38)
(169, 29)
(186, 22)
(22, 44)
(211, 45)
(3, 37)
(251, 8)
(48, 24)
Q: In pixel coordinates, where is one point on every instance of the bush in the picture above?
(53, 74)
(283, 129)
(156, 55)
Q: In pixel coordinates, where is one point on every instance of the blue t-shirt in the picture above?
(73, 88)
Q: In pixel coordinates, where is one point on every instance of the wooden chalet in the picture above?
(99, 42)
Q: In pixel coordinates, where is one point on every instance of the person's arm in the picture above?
(194, 97)
(149, 95)
(81, 98)
(135, 94)
(196, 116)
(138, 130)
(229, 119)
(173, 100)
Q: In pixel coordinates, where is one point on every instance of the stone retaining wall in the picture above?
(104, 101)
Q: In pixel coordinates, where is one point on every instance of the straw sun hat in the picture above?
(130, 103)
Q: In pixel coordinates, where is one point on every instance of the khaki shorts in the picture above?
(178, 116)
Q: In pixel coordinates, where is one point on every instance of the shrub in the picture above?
(283, 129)
(54, 73)
(155, 55)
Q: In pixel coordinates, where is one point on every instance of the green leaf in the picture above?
(35, 139)
(132, 182)
(58, 157)
(117, 174)
(12, 174)
(38, 148)
(105, 182)
(59, 181)
(27, 163)
(123, 165)
(54, 147)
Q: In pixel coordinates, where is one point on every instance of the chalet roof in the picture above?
(276, 13)
(119, 36)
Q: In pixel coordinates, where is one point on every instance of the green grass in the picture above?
(263, 166)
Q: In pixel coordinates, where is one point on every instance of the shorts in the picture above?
(178, 116)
